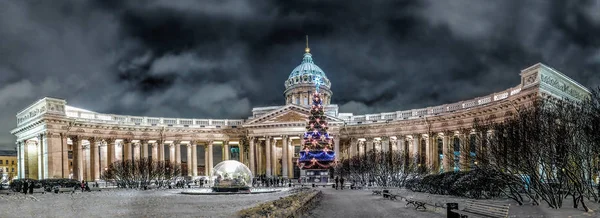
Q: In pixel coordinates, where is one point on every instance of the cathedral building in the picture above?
(55, 140)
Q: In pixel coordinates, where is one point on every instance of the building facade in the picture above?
(55, 140)
(8, 165)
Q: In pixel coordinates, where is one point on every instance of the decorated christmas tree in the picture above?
(317, 150)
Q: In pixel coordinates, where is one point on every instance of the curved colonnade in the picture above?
(55, 140)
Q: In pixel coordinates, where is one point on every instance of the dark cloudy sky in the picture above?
(220, 58)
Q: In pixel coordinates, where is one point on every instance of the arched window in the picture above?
(440, 154)
(456, 154)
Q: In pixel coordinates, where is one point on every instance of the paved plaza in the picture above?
(129, 203)
(361, 203)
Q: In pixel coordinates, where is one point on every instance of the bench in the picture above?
(385, 193)
(391, 196)
(478, 209)
(61, 190)
(7, 192)
(417, 203)
(39, 190)
(95, 189)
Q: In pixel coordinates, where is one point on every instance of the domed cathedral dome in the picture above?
(302, 82)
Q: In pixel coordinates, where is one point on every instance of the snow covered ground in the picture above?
(129, 203)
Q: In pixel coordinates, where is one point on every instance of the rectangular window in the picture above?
(13, 162)
(0, 161)
(13, 169)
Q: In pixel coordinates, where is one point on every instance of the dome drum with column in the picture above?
(302, 81)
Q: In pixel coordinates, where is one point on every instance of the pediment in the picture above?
(286, 114)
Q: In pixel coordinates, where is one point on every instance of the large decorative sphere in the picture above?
(232, 174)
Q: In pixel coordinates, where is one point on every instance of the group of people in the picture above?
(27, 187)
(263, 180)
(339, 182)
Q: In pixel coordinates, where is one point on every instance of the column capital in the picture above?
(284, 137)
(126, 140)
(110, 140)
(267, 137)
(144, 141)
(176, 142)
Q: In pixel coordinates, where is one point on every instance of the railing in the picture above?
(432, 111)
(152, 121)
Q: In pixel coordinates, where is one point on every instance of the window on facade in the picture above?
(456, 154)
(472, 148)
(305, 101)
(0, 161)
(12, 169)
(13, 162)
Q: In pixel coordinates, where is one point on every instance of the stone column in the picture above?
(19, 160)
(194, 159)
(172, 153)
(446, 152)
(154, 151)
(336, 147)
(361, 147)
(259, 155)
(290, 163)
(210, 157)
(126, 149)
(110, 150)
(103, 158)
(137, 150)
(40, 155)
(428, 159)
(77, 158)
(161, 150)
(415, 148)
(369, 143)
(284, 157)
(177, 152)
(274, 161)
(464, 152)
(94, 159)
(144, 149)
(189, 160)
(225, 150)
(206, 160)
(251, 156)
(242, 150)
(268, 154)
(64, 156)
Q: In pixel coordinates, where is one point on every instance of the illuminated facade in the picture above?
(55, 140)
(8, 166)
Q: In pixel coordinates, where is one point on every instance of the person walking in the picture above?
(337, 180)
(25, 187)
(342, 183)
(31, 188)
(82, 185)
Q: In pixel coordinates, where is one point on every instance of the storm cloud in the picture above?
(220, 58)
